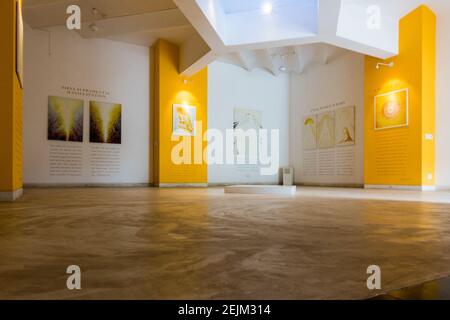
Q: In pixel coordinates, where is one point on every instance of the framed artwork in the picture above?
(345, 126)
(105, 122)
(65, 119)
(184, 120)
(246, 119)
(392, 110)
(325, 130)
(19, 43)
(310, 132)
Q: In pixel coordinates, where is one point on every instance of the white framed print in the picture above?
(184, 120)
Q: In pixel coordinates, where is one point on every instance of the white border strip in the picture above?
(396, 187)
(11, 196)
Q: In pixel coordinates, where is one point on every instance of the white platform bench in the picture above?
(261, 189)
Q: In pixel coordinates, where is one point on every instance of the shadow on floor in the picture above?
(433, 290)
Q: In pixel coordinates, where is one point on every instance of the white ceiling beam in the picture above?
(201, 23)
(245, 60)
(167, 19)
(269, 62)
(301, 59)
(194, 52)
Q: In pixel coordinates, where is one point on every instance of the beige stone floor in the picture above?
(202, 244)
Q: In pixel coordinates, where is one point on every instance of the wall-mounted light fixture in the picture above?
(382, 64)
(282, 60)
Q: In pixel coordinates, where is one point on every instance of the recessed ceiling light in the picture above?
(283, 69)
(267, 8)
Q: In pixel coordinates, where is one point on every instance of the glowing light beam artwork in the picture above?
(105, 121)
(391, 110)
(65, 119)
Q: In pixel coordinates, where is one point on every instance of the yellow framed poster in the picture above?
(391, 110)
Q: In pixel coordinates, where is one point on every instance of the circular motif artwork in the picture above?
(391, 109)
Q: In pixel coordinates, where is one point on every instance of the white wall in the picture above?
(62, 58)
(317, 90)
(443, 100)
(232, 87)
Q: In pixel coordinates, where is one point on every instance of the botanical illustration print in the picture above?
(345, 126)
(105, 122)
(310, 133)
(65, 119)
(246, 119)
(184, 120)
(325, 130)
(391, 110)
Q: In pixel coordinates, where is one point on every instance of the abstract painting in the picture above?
(391, 109)
(184, 120)
(325, 130)
(105, 121)
(310, 133)
(65, 119)
(345, 126)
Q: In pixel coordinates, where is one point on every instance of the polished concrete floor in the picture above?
(204, 244)
(431, 290)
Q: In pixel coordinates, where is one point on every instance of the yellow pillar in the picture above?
(171, 88)
(404, 156)
(10, 107)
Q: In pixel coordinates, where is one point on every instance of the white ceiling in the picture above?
(235, 6)
(289, 59)
(139, 22)
(184, 23)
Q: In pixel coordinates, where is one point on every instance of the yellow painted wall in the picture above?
(170, 89)
(402, 156)
(10, 102)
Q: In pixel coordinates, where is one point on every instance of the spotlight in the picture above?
(381, 64)
(267, 8)
(283, 69)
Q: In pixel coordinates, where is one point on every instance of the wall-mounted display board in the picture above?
(65, 125)
(329, 143)
(329, 129)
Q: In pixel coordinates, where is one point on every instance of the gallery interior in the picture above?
(224, 149)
